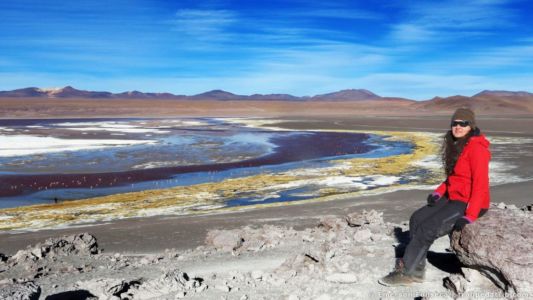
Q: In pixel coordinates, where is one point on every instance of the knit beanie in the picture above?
(465, 114)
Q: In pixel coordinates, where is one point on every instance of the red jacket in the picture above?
(469, 181)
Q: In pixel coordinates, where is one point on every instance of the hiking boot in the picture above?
(399, 276)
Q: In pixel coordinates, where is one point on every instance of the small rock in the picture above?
(332, 223)
(244, 297)
(224, 288)
(144, 261)
(358, 219)
(225, 240)
(201, 288)
(528, 208)
(257, 275)
(180, 295)
(362, 235)
(456, 284)
(342, 278)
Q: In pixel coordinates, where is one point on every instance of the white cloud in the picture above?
(411, 33)
(204, 24)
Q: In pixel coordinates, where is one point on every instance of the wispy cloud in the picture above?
(462, 14)
(452, 19)
(411, 33)
(204, 24)
(339, 13)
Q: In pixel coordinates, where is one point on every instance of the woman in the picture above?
(458, 201)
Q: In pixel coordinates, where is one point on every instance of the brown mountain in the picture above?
(141, 95)
(66, 92)
(488, 93)
(25, 92)
(347, 95)
(488, 102)
(217, 95)
(70, 92)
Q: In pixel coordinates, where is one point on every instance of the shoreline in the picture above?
(189, 231)
(288, 149)
(202, 198)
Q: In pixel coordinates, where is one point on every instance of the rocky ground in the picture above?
(340, 258)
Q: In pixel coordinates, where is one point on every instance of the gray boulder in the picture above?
(20, 291)
(500, 246)
(225, 240)
(76, 244)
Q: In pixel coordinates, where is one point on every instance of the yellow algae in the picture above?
(397, 164)
(201, 198)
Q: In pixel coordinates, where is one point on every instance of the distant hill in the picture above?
(66, 92)
(347, 95)
(488, 93)
(70, 92)
(483, 102)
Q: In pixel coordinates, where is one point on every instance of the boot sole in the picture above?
(401, 284)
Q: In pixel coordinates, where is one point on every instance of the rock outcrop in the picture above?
(76, 244)
(500, 246)
(20, 291)
(170, 283)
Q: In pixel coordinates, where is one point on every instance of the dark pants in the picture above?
(428, 224)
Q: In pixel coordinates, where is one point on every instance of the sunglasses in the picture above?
(460, 123)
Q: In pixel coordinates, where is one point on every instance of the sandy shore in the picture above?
(153, 234)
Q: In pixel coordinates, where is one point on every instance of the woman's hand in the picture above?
(433, 198)
(461, 223)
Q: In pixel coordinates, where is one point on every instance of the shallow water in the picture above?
(162, 153)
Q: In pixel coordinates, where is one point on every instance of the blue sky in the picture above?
(413, 49)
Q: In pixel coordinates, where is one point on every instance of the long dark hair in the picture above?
(452, 147)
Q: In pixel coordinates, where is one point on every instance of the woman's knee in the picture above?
(419, 215)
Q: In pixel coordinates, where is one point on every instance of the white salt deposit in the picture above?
(109, 126)
(18, 145)
(428, 162)
(361, 183)
(500, 140)
(189, 122)
(120, 129)
(499, 173)
(158, 164)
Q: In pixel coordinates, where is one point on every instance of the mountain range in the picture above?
(487, 101)
(70, 92)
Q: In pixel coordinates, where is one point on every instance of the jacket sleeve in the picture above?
(479, 166)
(443, 187)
